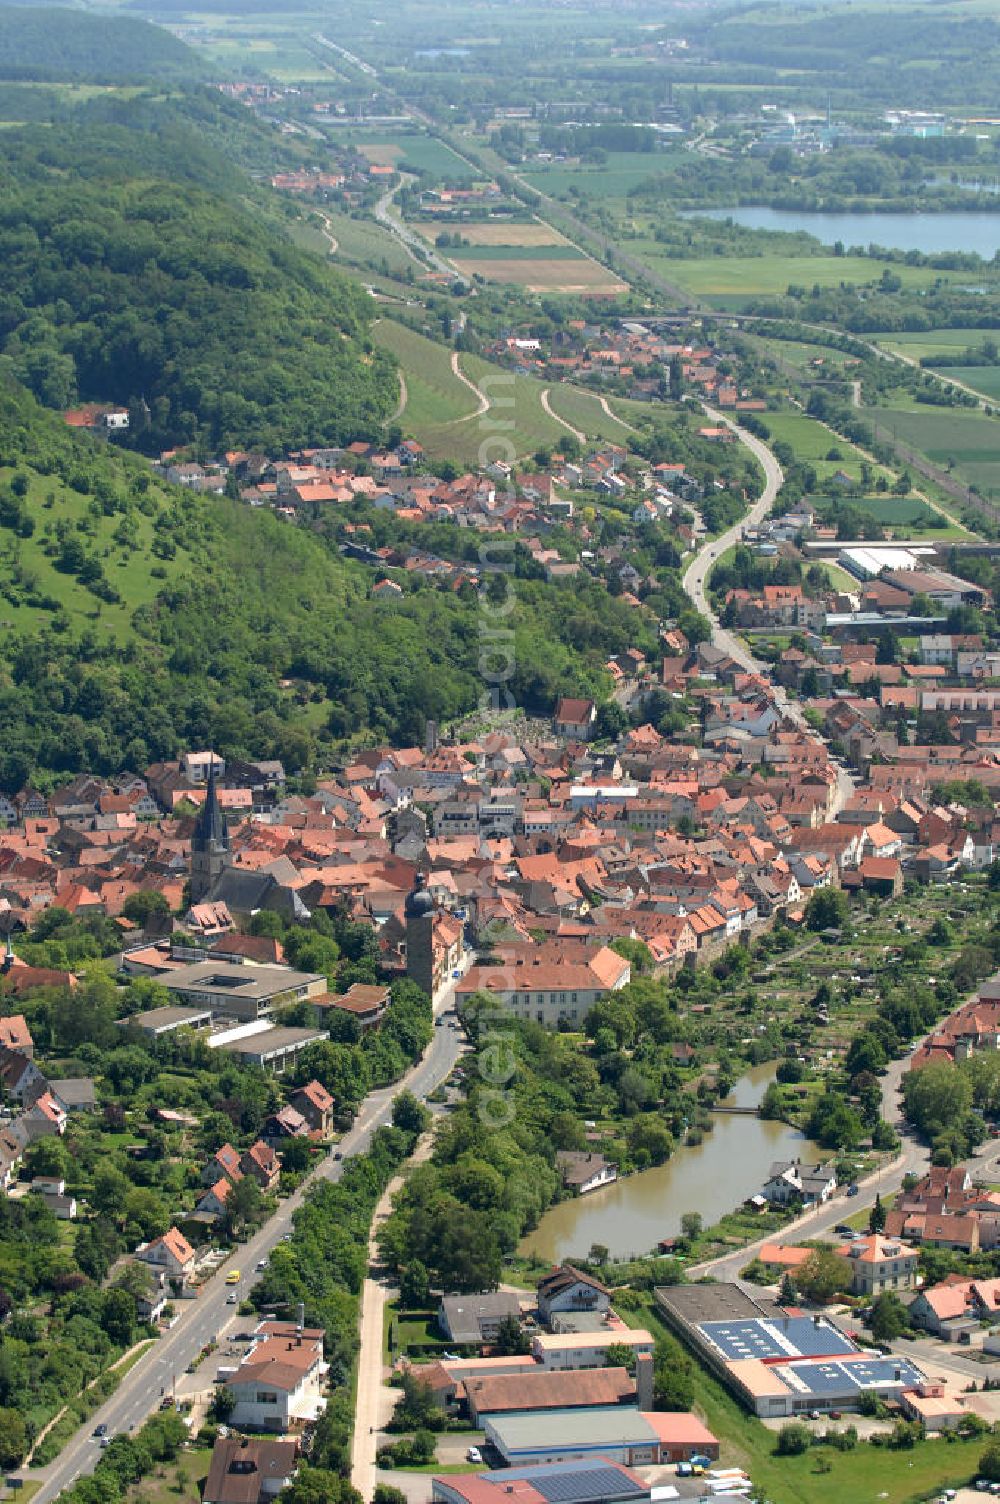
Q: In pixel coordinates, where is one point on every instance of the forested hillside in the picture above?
(116, 286)
(47, 42)
(136, 619)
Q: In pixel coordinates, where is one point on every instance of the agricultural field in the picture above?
(812, 443)
(561, 251)
(933, 342)
(803, 356)
(494, 232)
(29, 572)
(584, 412)
(908, 517)
(560, 268)
(968, 442)
(443, 414)
(985, 379)
(233, 43)
(402, 148)
(365, 243)
(727, 281)
(434, 394)
(615, 178)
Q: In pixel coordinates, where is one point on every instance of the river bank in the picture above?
(711, 1178)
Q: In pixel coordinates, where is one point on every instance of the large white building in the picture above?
(550, 990)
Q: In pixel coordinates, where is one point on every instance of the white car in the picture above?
(473, 1455)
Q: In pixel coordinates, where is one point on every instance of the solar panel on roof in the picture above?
(562, 1484)
(788, 1337)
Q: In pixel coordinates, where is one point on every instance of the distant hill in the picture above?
(137, 262)
(47, 43)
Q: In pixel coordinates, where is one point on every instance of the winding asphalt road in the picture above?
(202, 1319)
(695, 578)
(696, 575)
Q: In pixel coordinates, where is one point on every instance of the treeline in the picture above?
(323, 1267)
(891, 175)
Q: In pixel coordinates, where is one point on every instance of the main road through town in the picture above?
(202, 1319)
(695, 580)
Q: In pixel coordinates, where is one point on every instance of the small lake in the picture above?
(713, 1177)
(956, 230)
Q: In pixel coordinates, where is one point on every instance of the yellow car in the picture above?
(233, 1277)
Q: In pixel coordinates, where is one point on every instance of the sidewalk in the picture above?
(376, 1400)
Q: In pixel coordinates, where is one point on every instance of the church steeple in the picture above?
(210, 852)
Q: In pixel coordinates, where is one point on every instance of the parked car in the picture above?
(473, 1455)
(843, 1229)
(100, 1430)
(852, 1190)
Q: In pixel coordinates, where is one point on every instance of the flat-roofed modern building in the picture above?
(778, 1363)
(241, 992)
(555, 1350)
(636, 1438)
(156, 1022)
(272, 1049)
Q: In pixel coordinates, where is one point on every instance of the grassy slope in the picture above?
(435, 396)
(440, 410)
(585, 412)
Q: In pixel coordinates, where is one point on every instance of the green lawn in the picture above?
(173, 1482)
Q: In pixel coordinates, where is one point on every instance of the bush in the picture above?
(793, 1440)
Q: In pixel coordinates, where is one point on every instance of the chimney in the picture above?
(644, 1381)
(301, 1321)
